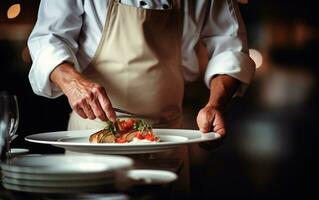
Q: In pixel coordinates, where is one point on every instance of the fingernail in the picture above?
(113, 119)
(203, 130)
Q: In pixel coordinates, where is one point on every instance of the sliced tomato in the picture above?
(126, 125)
(139, 135)
(120, 140)
(149, 136)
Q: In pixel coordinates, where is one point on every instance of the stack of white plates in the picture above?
(63, 173)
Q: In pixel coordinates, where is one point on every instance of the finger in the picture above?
(219, 125)
(220, 130)
(106, 105)
(88, 110)
(97, 110)
(80, 112)
(204, 121)
(205, 127)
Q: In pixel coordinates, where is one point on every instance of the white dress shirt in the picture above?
(70, 30)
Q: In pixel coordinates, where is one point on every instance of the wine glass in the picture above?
(9, 119)
(14, 116)
(14, 119)
(4, 125)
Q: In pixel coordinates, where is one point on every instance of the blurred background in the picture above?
(271, 131)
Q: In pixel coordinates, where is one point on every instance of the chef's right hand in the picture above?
(87, 99)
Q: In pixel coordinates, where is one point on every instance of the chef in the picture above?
(136, 55)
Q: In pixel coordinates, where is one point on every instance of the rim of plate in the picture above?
(103, 164)
(204, 137)
(157, 176)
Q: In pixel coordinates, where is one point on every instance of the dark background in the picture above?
(272, 130)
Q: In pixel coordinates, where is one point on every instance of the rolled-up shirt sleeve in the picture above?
(54, 41)
(224, 36)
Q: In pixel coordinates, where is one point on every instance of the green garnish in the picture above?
(110, 126)
(142, 126)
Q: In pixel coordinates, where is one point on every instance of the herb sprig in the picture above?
(142, 125)
(110, 126)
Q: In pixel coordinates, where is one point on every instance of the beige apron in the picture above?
(138, 62)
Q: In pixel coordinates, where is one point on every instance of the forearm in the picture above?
(222, 88)
(65, 75)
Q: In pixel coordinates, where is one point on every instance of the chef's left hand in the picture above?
(209, 119)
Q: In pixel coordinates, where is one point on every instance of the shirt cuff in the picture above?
(236, 64)
(46, 62)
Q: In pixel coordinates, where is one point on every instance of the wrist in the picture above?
(215, 106)
(64, 75)
(222, 88)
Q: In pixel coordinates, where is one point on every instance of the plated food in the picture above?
(78, 141)
(125, 131)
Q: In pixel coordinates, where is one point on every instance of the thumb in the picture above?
(204, 120)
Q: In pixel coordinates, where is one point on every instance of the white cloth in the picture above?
(70, 31)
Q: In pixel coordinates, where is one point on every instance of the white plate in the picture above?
(52, 190)
(78, 141)
(37, 183)
(88, 196)
(18, 151)
(74, 165)
(150, 177)
(56, 177)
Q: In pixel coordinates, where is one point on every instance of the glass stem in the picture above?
(8, 149)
